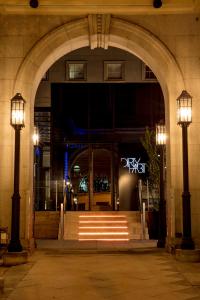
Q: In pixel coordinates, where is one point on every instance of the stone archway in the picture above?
(104, 31)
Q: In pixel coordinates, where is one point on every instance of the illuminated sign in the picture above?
(133, 165)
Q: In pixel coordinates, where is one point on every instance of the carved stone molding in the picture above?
(99, 28)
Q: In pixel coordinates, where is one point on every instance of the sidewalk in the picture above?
(142, 274)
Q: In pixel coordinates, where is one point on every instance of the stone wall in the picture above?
(95, 69)
(169, 44)
(46, 224)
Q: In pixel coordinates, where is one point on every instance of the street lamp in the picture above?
(161, 142)
(184, 118)
(17, 118)
(36, 170)
(36, 136)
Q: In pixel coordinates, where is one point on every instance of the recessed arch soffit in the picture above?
(98, 31)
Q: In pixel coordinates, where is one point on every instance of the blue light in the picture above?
(37, 151)
(66, 157)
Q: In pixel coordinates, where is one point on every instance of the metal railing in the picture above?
(48, 195)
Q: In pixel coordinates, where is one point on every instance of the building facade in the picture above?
(167, 39)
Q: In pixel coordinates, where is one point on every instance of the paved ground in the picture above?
(95, 245)
(140, 275)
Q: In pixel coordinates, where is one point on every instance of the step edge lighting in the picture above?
(103, 233)
(100, 239)
(102, 216)
(103, 227)
(103, 221)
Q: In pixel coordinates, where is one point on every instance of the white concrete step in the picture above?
(100, 227)
(103, 226)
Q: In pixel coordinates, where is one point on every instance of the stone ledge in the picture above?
(15, 258)
(187, 255)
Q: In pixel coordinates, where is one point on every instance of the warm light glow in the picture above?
(161, 138)
(102, 221)
(103, 233)
(160, 134)
(68, 182)
(184, 108)
(35, 136)
(102, 216)
(103, 227)
(75, 200)
(107, 240)
(17, 110)
(184, 114)
(17, 117)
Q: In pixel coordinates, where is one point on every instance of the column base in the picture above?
(161, 243)
(187, 255)
(29, 245)
(187, 244)
(15, 258)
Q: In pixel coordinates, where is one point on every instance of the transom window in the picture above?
(113, 70)
(148, 74)
(76, 70)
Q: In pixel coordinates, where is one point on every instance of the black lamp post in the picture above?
(157, 3)
(17, 121)
(33, 3)
(184, 118)
(160, 142)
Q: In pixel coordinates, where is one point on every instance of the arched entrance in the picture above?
(119, 34)
(92, 162)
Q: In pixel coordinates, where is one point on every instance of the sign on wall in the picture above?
(133, 165)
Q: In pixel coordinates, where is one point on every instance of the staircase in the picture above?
(103, 226)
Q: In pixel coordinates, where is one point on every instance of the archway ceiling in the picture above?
(75, 7)
(98, 31)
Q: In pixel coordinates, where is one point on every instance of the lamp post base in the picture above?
(15, 258)
(187, 255)
(161, 243)
(15, 246)
(187, 244)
